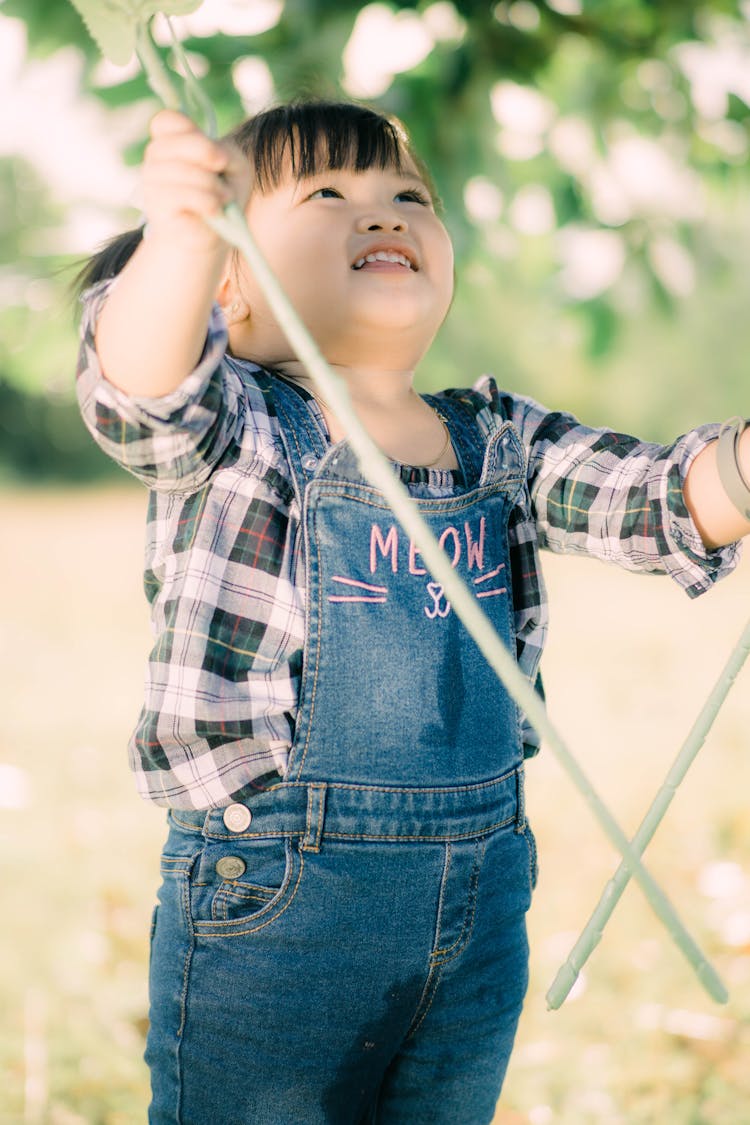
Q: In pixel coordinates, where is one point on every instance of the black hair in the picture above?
(316, 135)
(319, 136)
(108, 260)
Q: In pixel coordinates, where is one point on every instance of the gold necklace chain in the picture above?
(446, 443)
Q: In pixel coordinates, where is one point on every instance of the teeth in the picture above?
(383, 256)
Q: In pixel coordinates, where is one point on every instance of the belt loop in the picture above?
(520, 798)
(316, 802)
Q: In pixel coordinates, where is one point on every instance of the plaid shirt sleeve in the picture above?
(601, 493)
(172, 443)
(222, 574)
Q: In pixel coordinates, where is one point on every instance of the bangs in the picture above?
(322, 136)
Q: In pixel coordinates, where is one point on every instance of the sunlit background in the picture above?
(592, 161)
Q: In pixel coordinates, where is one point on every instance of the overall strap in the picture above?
(304, 442)
(466, 436)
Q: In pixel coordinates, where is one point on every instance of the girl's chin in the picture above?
(390, 315)
(377, 347)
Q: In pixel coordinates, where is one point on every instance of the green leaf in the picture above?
(112, 24)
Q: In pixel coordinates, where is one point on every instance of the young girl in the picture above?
(340, 935)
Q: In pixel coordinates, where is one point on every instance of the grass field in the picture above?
(630, 661)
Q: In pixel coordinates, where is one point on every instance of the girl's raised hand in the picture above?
(152, 328)
(188, 177)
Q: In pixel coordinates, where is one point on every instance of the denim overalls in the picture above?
(349, 946)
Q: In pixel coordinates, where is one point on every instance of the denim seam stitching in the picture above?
(315, 790)
(469, 916)
(418, 789)
(169, 864)
(521, 802)
(226, 892)
(430, 989)
(533, 860)
(185, 971)
(321, 812)
(308, 812)
(445, 836)
(433, 507)
(469, 787)
(243, 895)
(313, 693)
(441, 896)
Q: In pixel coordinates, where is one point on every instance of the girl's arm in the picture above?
(610, 496)
(153, 326)
(714, 514)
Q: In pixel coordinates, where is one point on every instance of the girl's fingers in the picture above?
(193, 202)
(176, 193)
(186, 161)
(169, 122)
(182, 163)
(192, 148)
(177, 172)
(175, 136)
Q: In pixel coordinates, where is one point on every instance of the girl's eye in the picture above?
(326, 193)
(414, 195)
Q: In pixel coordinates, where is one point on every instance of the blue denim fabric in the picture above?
(356, 952)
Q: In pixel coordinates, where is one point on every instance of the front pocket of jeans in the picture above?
(235, 900)
(238, 886)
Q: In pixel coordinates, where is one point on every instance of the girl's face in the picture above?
(364, 259)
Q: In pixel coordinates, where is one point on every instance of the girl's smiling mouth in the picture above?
(386, 258)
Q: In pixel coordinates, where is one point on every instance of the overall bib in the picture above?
(349, 946)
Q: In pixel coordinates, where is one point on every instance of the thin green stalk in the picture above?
(195, 97)
(592, 932)
(157, 75)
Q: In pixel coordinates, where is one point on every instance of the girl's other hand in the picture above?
(187, 177)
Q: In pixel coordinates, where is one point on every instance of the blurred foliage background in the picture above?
(591, 155)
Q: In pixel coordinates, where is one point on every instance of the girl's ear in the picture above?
(234, 307)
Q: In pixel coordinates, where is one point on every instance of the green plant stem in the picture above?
(194, 94)
(156, 73)
(592, 932)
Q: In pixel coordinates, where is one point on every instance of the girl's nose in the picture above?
(384, 220)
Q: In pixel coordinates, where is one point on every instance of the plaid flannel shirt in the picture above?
(225, 572)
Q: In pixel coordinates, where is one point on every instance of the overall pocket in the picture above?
(237, 886)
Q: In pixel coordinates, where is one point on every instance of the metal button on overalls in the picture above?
(230, 867)
(237, 817)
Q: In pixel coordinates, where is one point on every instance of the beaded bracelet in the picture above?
(728, 464)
